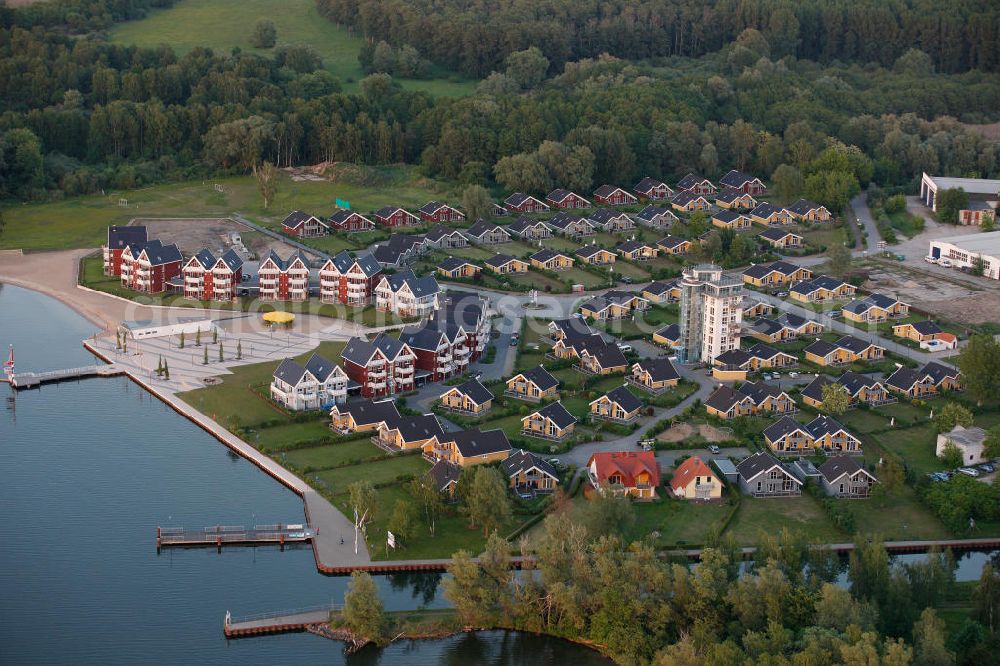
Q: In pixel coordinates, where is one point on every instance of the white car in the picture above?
(944, 263)
(624, 347)
(969, 471)
(930, 260)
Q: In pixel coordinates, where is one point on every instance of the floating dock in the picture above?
(27, 380)
(233, 535)
(279, 622)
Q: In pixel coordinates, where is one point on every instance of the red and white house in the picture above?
(435, 211)
(519, 202)
(384, 366)
(149, 266)
(394, 216)
(653, 190)
(565, 199)
(350, 221)
(284, 280)
(743, 182)
(303, 225)
(120, 238)
(211, 278)
(610, 195)
(406, 294)
(349, 280)
(450, 339)
(696, 185)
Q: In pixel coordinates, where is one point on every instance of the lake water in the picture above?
(89, 469)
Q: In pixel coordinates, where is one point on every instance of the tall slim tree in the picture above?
(363, 613)
(266, 176)
(204, 355)
(979, 362)
(476, 202)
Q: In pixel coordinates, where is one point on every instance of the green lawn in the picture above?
(900, 517)
(233, 402)
(914, 445)
(863, 420)
(331, 455)
(277, 438)
(678, 522)
(586, 278)
(225, 24)
(452, 531)
(336, 481)
(770, 515)
(83, 221)
(821, 235)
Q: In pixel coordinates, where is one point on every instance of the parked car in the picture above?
(931, 260)
(969, 471)
(554, 461)
(836, 314)
(712, 448)
(626, 279)
(782, 294)
(624, 347)
(578, 315)
(937, 476)
(649, 441)
(944, 263)
(989, 468)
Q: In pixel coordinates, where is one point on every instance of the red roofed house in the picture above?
(519, 202)
(303, 225)
(694, 480)
(634, 473)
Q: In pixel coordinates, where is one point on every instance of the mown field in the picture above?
(226, 24)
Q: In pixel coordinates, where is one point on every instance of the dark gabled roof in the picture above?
(670, 332)
(649, 213)
(604, 215)
(792, 320)
(724, 398)
(295, 219)
(760, 270)
(475, 442)
(205, 258)
(854, 382)
(560, 194)
(607, 354)
(522, 224)
(453, 263)
(938, 371)
(736, 179)
(733, 357)
(368, 411)
(358, 351)
(765, 209)
(573, 327)
(159, 254)
(463, 309)
(753, 466)
(647, 184)
(290, 372)
(777, 233)
(424, 336)
(824, 425)
(659, 369)
(420, 286)
(607, 190)
(904, 378)
(442, 474)
(631, 246)
(730, 195)
(685, 197)
(660, 287)
(284, 264)
(759, 391)
(388, 345)
(727, 216)
(589, 250)
(432, 207)
(119, 237)
(439, 231)
(596, 304)
(818, 282)
(343, 215)
(782, 427)
(521, 461)
(690, 181)
(413, 428)
(563, 219)
(882, 300)
(820, 348)
(546, 254)
(389, 211)
(558, 414)
(803, 206)
(540, 377)
(343, 261)
(517, 198)
(498, 260)
(837, 466)
(670, 241)
(475, 391)
(814, 389)
(767, 326)
(232, 259)
(624, 398)
(321, 368)
(482, 227)
(926, 327)
(760, 350)
(856, 345)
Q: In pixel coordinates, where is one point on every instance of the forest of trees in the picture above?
(476, 37)
(81, 114)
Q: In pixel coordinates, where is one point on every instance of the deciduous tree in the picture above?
(951, 415)
(266, 176)
(476, 202)
(402, 521)
(264, 34)
(484, 498)
(362, 611)
(979, 361)
(949, 202)
(835, 399)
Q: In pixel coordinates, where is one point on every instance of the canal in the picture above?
(90, 468)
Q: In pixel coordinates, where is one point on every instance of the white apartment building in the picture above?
(318, 384)
(407, 295)
(711, 316)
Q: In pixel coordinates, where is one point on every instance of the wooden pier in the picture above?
(27, 380)
(279, 622)
(233, 535)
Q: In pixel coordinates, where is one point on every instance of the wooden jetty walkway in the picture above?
(279, 622)
(233, 535)
(27, 380)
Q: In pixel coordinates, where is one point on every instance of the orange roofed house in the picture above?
(634, 473)
(693, 480)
